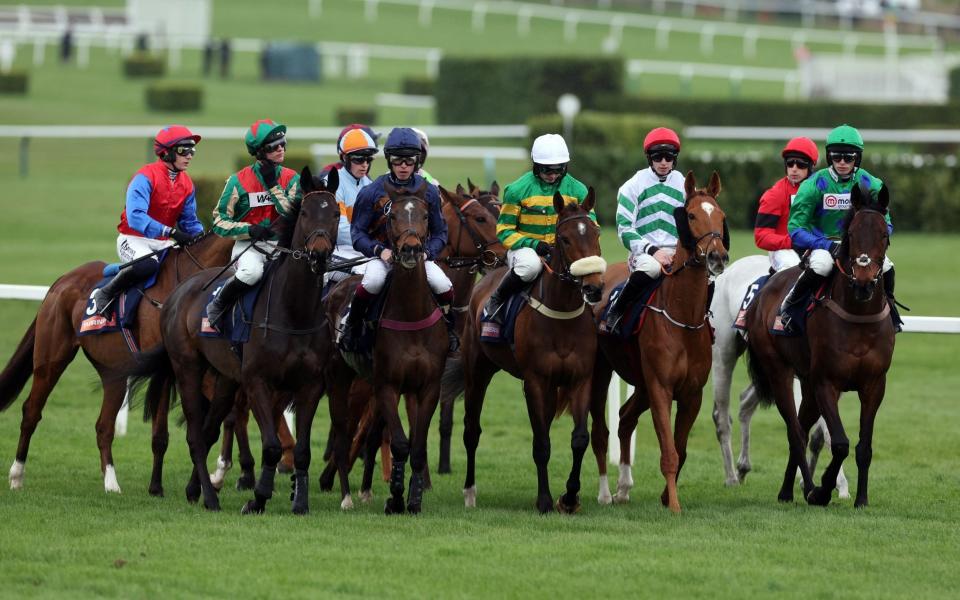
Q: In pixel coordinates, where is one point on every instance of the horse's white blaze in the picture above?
(110, 483)
(604, 497)
(470, 497)
(366, 496)
(16, 475)
(346, 503)
(581, 229)
(707, 208)
(409, 206)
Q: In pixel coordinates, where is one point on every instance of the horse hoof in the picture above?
(604, 498)
(564, 509)
(393, 506)
(213, 506)
(860, 503)
(110, 484)
(366, 496)
(193, 499)
(326, 481)
(284, 468)
(16, 475)
(545, 505)
(414, 509)
(785, 498)
(470, 497)
(251, 508)
(621, 497)
(818, 497)
(300, 509)
(156, 491)
(346, 503)
(246, 482)
(742, 473)
(732, 482)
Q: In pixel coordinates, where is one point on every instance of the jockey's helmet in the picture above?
(424, 143)
(845, 139)
(803, 148)
(357, 139)
(262, 133)
(170, 137)
(549, 153)
(403, 141)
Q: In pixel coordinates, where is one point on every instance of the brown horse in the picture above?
(848, 346)
(51, 343)
(409, 352)
(282, 362)
(554, 351)
(670, 357)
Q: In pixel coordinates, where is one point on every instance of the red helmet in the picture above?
(661, 136)
(804, 147)
(171, 136)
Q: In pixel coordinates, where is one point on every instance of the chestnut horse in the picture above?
(848, 346)
(51, 343)
(669, 357)
(553, 354)
(409, 353)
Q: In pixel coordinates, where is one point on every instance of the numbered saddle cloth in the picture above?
(122, 312)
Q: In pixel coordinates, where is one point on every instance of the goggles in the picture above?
(275, 145)
(185, 150)
(797, 163)
(407, 161)
(552, 169)
(360, 159)
(663, 156)
(847, 157)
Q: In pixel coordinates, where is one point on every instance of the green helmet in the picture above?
(845, 135)
(263, 132)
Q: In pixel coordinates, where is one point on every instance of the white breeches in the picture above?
(130, 247)
(375, 276)
(250, 265)
(640, 261)
(525, 262)
(345, 253)
(784, 259)
(821, 262)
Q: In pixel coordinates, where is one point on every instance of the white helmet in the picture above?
(550, 149)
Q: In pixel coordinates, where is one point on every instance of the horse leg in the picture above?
(629, 415)
(661, 400)
(722, 372)
(871, 397)
(287, 444)
(373, 439)
(195, 411)
(807, 415)
(827, 396)
(541, 408)
(160, 439)
(477, 378)
(599, 432)
(225, 459)
(687, 410)
(781, 381)
(262, 401)
(221, 404)
(579, 440)
(306, 401)
(114, 389)
(341, 431)
(749, 401)
(247, 478)
(446, 433)
(388, 400)
(819, 438)
(412, 402)
(428, 399)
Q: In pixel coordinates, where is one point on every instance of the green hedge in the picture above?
(142, 64)
(366, 115)
(419, 86)
(174, 96)
(511, 90)
(754, 113)
(954, 93)
(208, 188)
(14, 82)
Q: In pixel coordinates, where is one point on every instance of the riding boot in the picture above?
(509, 285)
(888, 283)
(232, 290)
(125, 279)
(808, 282)
(353, 328)
(450, 317)
(630, 294)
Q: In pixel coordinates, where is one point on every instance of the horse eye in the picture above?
(481, 219)
(691, 216)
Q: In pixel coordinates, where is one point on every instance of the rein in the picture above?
(473, 262)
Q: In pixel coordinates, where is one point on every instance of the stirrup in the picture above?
(104, 308)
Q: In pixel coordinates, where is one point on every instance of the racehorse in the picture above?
(281, 363)
(728, 345)
(553, 354)
(409, 352)
(51, 342)
(669, 356)
(848, 346)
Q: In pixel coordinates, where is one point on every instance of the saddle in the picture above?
(635, 314)
(122, 313)
(236, 324)
(492, 332)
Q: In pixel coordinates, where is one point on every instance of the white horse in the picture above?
(731, 286)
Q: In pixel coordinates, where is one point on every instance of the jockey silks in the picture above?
(155, 204)
(527, 216)
(246, 201)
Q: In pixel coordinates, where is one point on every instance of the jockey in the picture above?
(252, 199)
(425, 148)
(770, 231)
(404, 154)
(357, 147)
(817, 214)
(528, 223)
(161, 209)
(645, 222)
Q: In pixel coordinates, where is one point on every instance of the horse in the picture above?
(728, 346)
(848, 346)
(282, 362)
(51, 342)
(669, 356)
(409, 352)
(553, 355)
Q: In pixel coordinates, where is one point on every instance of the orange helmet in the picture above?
(804, 147)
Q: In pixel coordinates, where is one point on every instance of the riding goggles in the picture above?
(797, 162)
(552, 169)
(282, 143)
(662, 156)
(407, 161)
(359, 160)
(185, 150)
(847, 157)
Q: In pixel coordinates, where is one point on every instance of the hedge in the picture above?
(174, 96)
(208, 190)
(755, 113)
(366, 115)
(142, 64)
(14, 82)
(418, 86)
(511, 90)
(954, 92)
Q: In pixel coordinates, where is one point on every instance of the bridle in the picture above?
(564, 274)
(862, 261)
(485, 259)
(408, 259)
(317, 267)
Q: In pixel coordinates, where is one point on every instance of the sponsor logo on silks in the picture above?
(490, 330)
(205, 326)
(258, 199)
(836, 201)
(97, 323)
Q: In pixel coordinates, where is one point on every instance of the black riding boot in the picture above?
(353, 328)
(229, 293)
(509, 285)
(453, 342)
(808, 282)
(630, 294)
(888, 283)
(125, 279)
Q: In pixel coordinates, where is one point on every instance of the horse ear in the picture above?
(422, 190)
(690, 185)
(307, 182)
(460, 191)
(495, 188)
(558, 202)
(726, 235)
(589, 202)
(684, 237)
(856, 197)
(392, 192)
(446, 196)
(333, 181)
(883, 197)
(473, 189)
(714, 187)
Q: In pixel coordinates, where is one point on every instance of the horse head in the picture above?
(578, 245)
(865, 241)
(317, 221)
(702, 225)
(408, 223)
(472, 218)
(490, 199)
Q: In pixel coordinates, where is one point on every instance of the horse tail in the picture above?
(451, 383)
(19, 369)
(154, 370)
(759, 377)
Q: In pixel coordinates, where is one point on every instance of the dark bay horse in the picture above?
(848, 346)
(554, 351)
(409, 353)
(281, 363)
(670, 357)
(51, 343)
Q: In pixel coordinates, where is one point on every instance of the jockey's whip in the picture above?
(342, 265)
(227, 266)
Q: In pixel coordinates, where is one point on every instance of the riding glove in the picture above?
(258, 232)
(181, 237)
